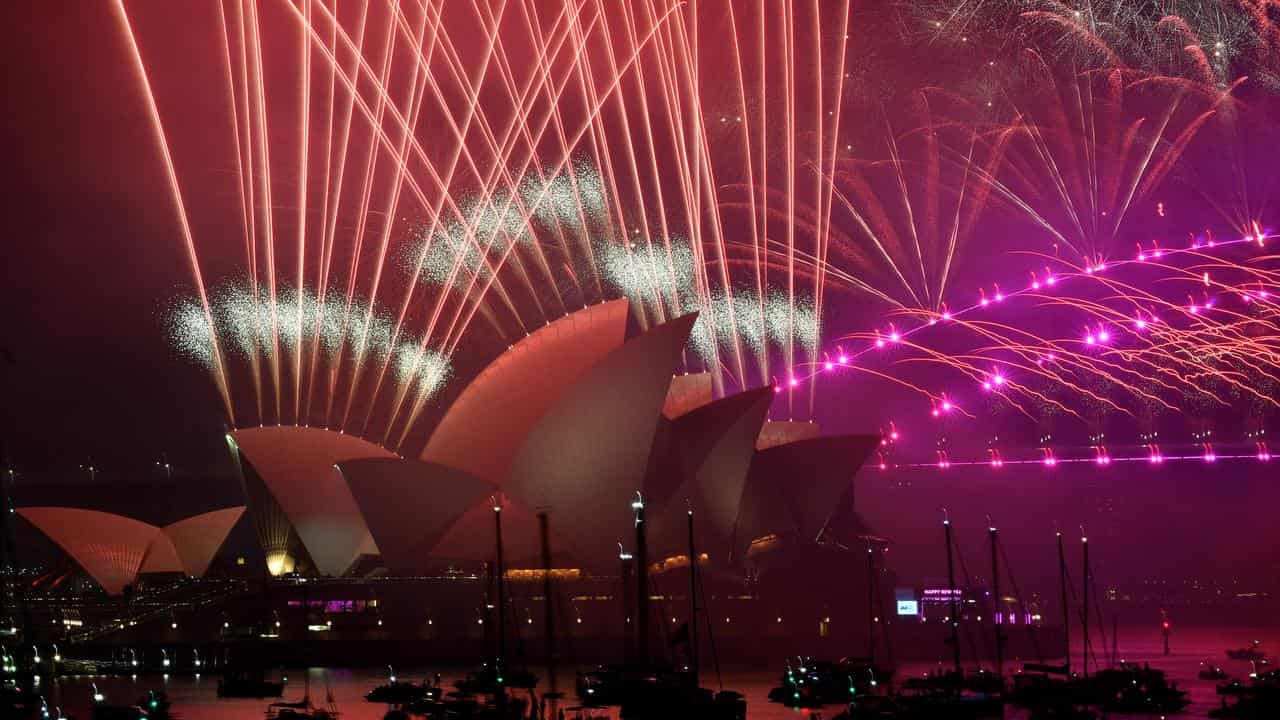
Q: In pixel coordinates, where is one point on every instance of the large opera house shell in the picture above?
(114, 550)
(571, 421)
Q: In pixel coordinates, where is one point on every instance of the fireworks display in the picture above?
(248, 327)
(1046, 214)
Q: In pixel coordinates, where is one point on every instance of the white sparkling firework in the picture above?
(787, 320)
(775, 324)
(243, 321)
(651, 274)
(459, 251)
(248, 326)
(577, 193)
(451, 257)
(422, 370)
(189, 333)
(751, 331)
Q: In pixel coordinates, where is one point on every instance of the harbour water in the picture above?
(195, 698)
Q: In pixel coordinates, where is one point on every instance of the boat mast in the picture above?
(693, 604)
(8, 548)
(8, 565)
(871, 603)
(502, 615)
(1115, 634)
(625, 586)
(11, 586)
(486, 634)
(1084, 616)
(642, 584)
(951, 592)
(995, 603)
(306, 642)
(548, 615)
(1066, 609)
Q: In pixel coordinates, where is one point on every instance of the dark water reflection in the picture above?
(194, 698)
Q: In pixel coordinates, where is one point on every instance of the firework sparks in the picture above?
(725, 160)
(246, 325)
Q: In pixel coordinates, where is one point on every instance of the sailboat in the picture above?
(394, 692)
(303, 709)
(247, 682)
(1253, 652)
(954, 694)
(495, 677)
(646, 689)
(1049, 689)
(1258, 699)
(807, 682)
(1123, 688)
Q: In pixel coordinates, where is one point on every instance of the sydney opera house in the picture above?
(575, 422)
(115, 550)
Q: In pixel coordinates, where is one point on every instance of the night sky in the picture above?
(94, 254)
(90, 252)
